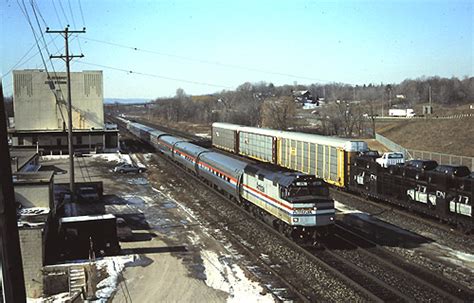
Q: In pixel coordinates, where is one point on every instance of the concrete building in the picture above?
(40, 110)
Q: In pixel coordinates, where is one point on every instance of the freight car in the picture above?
(322, 156)
(444, 192)
(434, 193)
(296, 204)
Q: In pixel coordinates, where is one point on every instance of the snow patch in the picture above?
(114, 267)
(58, 298)
(310, 106)
(54, 157)
(231, 279)
(458, 258)
(132, 199)
(345, 209)
(135, 159)
(112, 157)
(203, 135)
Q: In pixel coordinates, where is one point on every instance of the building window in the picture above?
(79, 140)
(20, 141)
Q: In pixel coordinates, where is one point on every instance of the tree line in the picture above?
(268, 105)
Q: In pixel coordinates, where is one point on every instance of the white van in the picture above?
(391, 158)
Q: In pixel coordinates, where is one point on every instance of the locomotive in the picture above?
(443, 192)
(295, 203)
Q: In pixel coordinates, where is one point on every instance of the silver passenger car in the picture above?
(187, 153)
(224, 171)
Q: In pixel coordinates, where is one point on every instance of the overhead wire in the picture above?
(56, 12)
(82, 14)
(64, 13)
(155, 75)
(72, 15)
(203, 61)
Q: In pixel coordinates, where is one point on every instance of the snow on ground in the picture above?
(137, 161)
(114, 267)
(203, 135)
(458, 258)
(310, 106)
(345, 209)
(231, 279)
(54, 157)
(59, 298)
(112, 157)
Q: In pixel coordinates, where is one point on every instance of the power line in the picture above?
(206, 61)
(44, 41)
(82, 14)
(56, 11)
(64, 13)
(25, 13)
(155, 75)
(72, 15)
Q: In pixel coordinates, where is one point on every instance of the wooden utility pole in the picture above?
(67, 58)
(10, 253)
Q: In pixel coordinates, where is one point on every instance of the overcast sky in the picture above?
(206, 46)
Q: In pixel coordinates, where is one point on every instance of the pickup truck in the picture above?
(390, 158)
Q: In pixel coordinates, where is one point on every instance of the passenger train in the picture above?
(295, 203)
(444, 192)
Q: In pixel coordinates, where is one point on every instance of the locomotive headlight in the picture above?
(331, 218)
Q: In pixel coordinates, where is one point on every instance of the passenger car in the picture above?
(128, 168)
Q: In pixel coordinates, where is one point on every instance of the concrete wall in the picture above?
(31, 243)
(35, 104)
(30, 195)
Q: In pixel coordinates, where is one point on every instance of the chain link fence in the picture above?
(446, 159)
(441, 158)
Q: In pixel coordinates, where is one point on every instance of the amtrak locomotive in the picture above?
(295, 203)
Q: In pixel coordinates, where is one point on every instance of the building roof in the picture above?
(21, 157)
(33, 177)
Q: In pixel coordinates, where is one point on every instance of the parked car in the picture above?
(129, 168)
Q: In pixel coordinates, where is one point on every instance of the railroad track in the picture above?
(372, 271)
(412, 275)
(400, 211)
(293, 291)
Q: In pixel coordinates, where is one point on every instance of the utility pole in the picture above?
(429, 93)
(11, 266)
(67, 58)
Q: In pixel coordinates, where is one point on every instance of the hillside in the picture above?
(455, 136)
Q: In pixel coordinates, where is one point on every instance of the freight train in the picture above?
(443, 192)
(296, 204)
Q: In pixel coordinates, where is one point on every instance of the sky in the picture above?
(148, 49)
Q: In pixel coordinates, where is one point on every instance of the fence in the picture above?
(443, 158)
(447, 159)
(391, 145)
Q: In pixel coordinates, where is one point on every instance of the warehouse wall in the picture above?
(35, 104)
(31, 243)
(33, 195)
